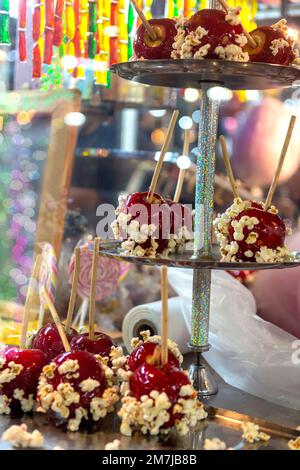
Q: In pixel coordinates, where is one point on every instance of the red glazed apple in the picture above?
(161, 48)
(167, 379)
(151, 228)
(144, 352)
(246, 232)
(273, 46)
(158, 398)
(19, 374)
(47, 339)
(101, 344)
(150, 377)
(74, 386)
(209, 33)
(270, 232)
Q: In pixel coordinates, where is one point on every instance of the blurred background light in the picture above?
(75, 119)
(183, 162)
(220, 93)
(185, 122)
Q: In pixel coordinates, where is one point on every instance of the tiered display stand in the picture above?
(204, 74)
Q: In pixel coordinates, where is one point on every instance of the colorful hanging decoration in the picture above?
(4, 22)
(96, 33)
(22, 30)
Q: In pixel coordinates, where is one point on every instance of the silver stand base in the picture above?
(202, 379)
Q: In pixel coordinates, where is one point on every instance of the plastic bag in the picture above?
(247, 352)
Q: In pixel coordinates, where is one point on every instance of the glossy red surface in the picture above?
(101, 345)
(32, 360)
(47, 339)
(271, 232)
(263, 36)
(144, 352)
(145, 47)
(220, 32)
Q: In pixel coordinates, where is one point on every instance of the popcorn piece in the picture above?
(278, 44)
(251, 433)
(68, 366)
(294, 444)
(114, 445)
(214, 444)
(18, 436)
(89, 385)
(10, 373)
(233, 16)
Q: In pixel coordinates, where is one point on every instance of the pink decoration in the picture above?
(109, 273)
(259, 140)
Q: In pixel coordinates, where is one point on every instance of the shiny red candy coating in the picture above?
(263, 36)
(33, 361)
(101, 344)
(47, 339)
(271, 232)
(144, 352)
(167, 379)
(220, 32)
(89, 368)
(161, 48)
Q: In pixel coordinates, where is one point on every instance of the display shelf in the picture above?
(187, 260)
(205, 74)
(193, 73)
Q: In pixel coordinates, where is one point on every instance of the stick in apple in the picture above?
(280, 163)
(148, 27)
(73, 290)
(92, 305)
(164, 149)
(57, 321)
(181, 176)
(31, 287)
(251, 41)
(164, 324)
(228, 166)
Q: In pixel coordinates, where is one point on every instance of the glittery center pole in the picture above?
(205, 175)
(204, 205)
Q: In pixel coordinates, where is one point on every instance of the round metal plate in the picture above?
(184, 73)
(186, 260)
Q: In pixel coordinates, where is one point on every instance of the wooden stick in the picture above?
(31, 285)
(73, 289)
(228, 166)
(164, 324)
(250, 39)
(151, 31)
(280, 163)
(92, 305)
(181, 176)
(164, 149)
(57, 322)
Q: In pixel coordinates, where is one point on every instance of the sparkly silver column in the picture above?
(204, 205)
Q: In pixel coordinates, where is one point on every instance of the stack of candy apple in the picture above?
(157, 397)
(215, 34)
(68, 374)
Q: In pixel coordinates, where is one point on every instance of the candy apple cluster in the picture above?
(215, 34)
(157, 398)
